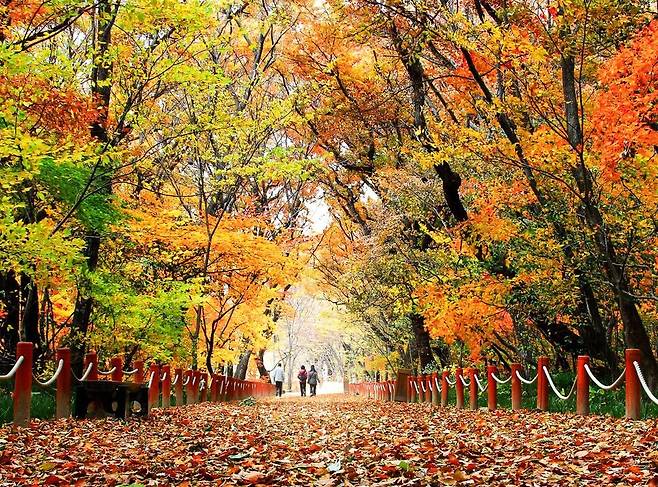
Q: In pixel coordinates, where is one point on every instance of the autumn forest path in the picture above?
(332, 440)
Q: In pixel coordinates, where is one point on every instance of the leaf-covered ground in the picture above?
(333, 440)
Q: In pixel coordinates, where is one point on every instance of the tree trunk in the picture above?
(595, 330)
(422, 339)
(10, 296)
(29, 325)
(635, 333)
(100, 92)
(451, 181)
(83, 304)
(260, 363)
(243, 366)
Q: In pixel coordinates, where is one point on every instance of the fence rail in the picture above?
(433, 388)
(161, 382)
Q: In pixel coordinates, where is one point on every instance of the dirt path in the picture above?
(331, 441)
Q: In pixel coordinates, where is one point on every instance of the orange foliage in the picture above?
(626, 116)
(59, 111)
(472, 313)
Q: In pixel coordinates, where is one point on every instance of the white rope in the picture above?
(130, 372)
(13, 370)
(193, 379)
(429, 383)
(415, 386)
(436, 382)
(202, 385)
(422, 384)
(151, 378)
(390, 387)
(60, 366)
(499, 380)
(482, 389)
(186, 381)
(175, 381)
(643, 382)
(86, 374)
(450, 383)
(603, 386)
(524, 380)
(164, 377)
(109, 372)
(557, 393)
(461, 377)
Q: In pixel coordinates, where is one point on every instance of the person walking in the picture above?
(313, 380)
(278, 379)
(302, 376)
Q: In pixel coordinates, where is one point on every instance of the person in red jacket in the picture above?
(302, 376)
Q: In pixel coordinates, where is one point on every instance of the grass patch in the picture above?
(42, 407)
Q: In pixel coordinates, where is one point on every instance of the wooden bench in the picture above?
(103, 398)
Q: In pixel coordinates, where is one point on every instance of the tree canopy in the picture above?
(462, 180)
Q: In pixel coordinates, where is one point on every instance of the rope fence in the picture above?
(51, 381)
(187, 386)
(433, 388)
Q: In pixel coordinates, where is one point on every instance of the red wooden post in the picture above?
(213, 388)
(178, 388)
(91, 358)
(166, 386)
(409, 390)
(197, 386)
(139, 374)
(542, 384)
(63, 394)
(492, 388)
(154, 386)
(633, 392)
(117, 364)
(221, 388)
(473, 396)
(435, 388)
(189, 388)
(23, 384)
(421, 384)
(582, 386)
(428, 388)
(444, 388)
(204, 391)
(516, 386)
(459, 385)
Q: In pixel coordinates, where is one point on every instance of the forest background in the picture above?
(488, 170)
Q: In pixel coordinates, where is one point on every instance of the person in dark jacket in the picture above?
(313, 380)
(302, 376)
